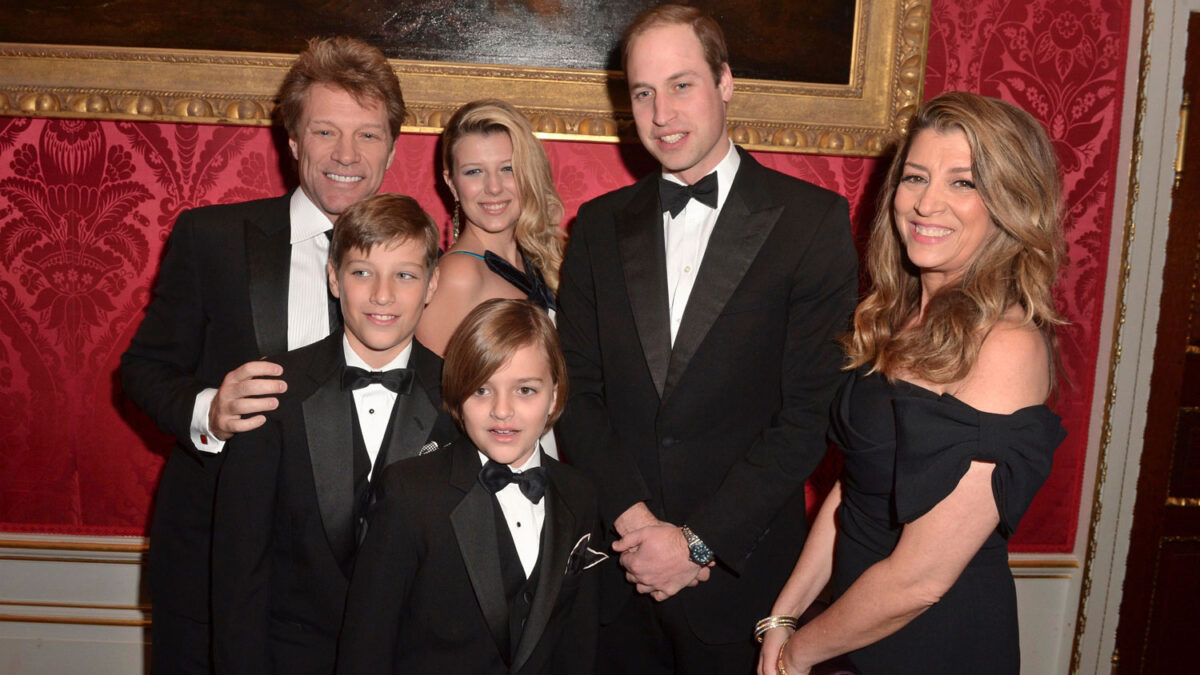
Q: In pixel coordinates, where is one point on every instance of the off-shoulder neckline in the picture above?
(951, 398)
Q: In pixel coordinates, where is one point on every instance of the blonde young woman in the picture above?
(943, 426)
(506, 213)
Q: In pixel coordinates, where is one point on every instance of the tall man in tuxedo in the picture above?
(699, 314)
(238, 282)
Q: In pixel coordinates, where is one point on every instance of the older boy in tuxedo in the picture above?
(477, 558)
(292, 495)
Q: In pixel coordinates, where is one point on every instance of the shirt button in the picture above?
(371, 411)
(687, 269)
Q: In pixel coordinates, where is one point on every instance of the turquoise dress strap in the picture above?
(470, 253)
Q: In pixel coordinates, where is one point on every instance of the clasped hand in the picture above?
(657, 561)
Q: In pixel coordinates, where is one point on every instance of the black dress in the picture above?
(905, 449)
(530, 282)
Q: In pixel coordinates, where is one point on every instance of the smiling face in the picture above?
(507, 414)
(483, 181)
(382, 294)
(678, 110)
(938, 212)
(343, 148)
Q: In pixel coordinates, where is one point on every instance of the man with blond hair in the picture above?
(239, 282)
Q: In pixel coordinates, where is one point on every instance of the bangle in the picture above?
(774, 621)
(782, 669)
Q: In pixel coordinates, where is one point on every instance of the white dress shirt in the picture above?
(686, 236)
(374, 402)
(308, 306)
(524, 518)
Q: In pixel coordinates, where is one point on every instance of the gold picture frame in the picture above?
(860, 118)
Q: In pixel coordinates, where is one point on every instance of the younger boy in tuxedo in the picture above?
(292, 495)
(477, 557)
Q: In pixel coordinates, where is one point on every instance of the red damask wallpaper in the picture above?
(85, 208)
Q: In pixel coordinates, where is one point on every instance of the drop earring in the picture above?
(454, 221)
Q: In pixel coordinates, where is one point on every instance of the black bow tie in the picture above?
(398, 380)
(675, 197)
(495, 477)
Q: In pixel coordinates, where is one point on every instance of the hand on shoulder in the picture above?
(1012, 370)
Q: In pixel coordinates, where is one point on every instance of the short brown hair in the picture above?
(486, 339)
(707, 30)
(384, 218)
(346, 63)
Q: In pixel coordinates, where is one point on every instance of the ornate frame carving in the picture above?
(860, 118)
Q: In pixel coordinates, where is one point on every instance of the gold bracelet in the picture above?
(775, 621)
(779, 664)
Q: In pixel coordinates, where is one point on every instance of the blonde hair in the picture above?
(1015, 171)
(537, 232)
(348, 64)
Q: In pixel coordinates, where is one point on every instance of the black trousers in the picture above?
(649, 637)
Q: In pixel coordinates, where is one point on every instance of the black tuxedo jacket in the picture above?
(427, 594)
(720, 431)
(220, 301)
(284, 526)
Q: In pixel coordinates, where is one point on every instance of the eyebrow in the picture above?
(670, 78)
(957, 169)
(371, 125)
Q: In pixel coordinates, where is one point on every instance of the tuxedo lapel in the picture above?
(644, 262)
(746, 219)
(328, 426)
(416, 412)
(269, 259)
(557, 529)
(474, 527)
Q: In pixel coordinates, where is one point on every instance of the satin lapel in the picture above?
(557, 529)
(269, 259)
(328, 429)
(643, 259)
(474, 527)
(738, 235)
(416, 412)
(411, 425)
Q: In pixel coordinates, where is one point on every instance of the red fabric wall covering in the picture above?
(85, 209)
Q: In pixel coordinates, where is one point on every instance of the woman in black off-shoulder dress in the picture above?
(942, 421)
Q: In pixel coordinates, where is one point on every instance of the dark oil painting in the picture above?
(785, 40)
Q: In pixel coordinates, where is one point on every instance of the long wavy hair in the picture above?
(1015, 171)
(537, 232)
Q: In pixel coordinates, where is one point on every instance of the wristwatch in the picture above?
(698, 551)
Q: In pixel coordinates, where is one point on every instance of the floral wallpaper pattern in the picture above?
(86, 207)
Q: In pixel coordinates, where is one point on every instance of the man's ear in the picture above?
(331, 272)
(295, 147)
(725, 83)
(432, 287)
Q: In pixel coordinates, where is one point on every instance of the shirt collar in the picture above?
(307, 219)
(726, 170)
(353, 359)
(534, 461)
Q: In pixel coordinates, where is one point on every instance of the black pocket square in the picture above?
(583, 557)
